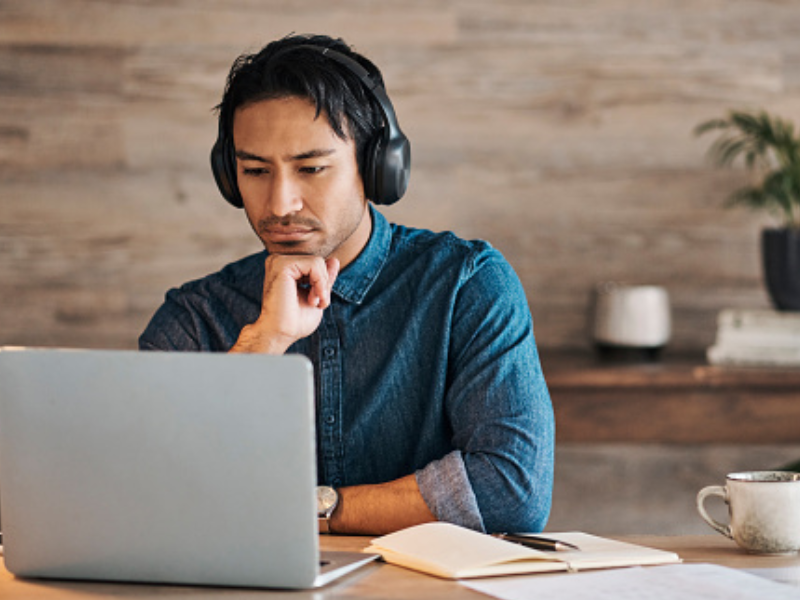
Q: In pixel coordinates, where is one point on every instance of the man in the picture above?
(431, 404)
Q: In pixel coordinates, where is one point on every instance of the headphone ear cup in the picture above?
(223, 166)
(389, 167)
(370, 175)
(396, 169)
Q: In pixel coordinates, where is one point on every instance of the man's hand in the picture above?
(297, 289)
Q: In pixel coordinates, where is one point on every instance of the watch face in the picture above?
(326, 499)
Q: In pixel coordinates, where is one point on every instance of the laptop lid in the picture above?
(158, 467)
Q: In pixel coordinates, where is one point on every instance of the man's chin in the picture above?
(292, 249)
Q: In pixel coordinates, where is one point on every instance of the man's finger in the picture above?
(320, 282)
(332, 271)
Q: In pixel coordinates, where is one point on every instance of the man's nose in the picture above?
(285, 196)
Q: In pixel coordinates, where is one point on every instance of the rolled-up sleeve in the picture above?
(499, 408)
(447, 491)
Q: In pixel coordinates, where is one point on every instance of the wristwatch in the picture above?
(327, 501)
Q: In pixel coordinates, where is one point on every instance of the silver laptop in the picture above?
(183, 468)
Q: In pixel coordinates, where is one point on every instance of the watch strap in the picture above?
(324, 524)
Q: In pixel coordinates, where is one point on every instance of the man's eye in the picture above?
(312, 170)
(254, 171)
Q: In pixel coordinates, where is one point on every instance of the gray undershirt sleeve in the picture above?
(446, 489)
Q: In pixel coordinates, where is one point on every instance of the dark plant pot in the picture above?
(780, 250)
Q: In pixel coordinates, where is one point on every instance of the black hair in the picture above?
(283, 69)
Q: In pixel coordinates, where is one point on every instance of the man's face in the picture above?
(300, 182)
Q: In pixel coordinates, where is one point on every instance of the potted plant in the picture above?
(770, 149)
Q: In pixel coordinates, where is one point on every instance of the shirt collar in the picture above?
(357, 278)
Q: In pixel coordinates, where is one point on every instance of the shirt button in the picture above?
(329, 352)
(330, 419)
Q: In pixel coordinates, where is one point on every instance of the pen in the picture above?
(537, 542)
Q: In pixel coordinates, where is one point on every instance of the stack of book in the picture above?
(756, 338)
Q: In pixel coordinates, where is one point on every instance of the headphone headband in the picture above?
(387, 157)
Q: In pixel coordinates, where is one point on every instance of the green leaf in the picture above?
(767, 144)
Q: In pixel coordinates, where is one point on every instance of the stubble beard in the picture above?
(300, 248)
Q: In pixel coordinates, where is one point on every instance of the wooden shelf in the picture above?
(680, 400)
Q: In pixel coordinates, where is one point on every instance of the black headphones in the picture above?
(387, 156)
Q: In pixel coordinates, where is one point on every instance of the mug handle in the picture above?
(713, 490)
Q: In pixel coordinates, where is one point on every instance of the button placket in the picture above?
(329, 418)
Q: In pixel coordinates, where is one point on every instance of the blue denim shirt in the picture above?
(425, 363)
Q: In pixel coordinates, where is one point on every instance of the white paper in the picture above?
(673, 582)
(788, 575)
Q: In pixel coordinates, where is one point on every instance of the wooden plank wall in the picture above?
(559, 131)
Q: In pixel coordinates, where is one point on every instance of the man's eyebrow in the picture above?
(249, 156)
(316, 153)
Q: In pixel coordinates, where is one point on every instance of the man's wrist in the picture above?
(254, 341)
(378, 509)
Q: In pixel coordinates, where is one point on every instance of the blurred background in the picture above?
(562, 132)
(559, 131)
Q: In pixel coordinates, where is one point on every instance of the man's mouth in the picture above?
(286, 231)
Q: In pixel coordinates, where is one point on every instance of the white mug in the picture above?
(764, 508)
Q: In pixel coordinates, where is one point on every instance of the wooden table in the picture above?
(374, 581)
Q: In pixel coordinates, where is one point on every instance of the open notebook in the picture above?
(454, 552)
